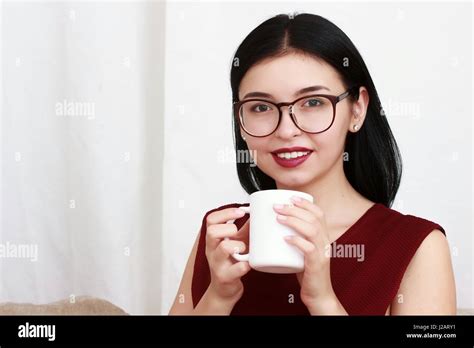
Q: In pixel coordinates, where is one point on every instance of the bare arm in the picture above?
(183, 303)
(210, 303)
(428, 284)
(226, 287)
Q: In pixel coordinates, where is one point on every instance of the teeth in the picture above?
(288, 155)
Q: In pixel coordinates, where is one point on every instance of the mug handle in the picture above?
(237, 256)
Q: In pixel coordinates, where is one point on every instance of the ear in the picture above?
(359, 110)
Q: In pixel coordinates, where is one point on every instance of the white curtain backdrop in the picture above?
(116, 134)
(81, 152)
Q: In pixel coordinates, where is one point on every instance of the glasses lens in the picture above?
(258, 117)
(314, 114)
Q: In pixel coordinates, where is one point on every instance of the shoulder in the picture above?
(432, 246)
(428, 283)
(432, 249)
(420, 257)
(402, 236)
(407, 224)
(432, 254)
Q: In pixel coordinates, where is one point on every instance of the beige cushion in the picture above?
(465, 311)
(82, 305)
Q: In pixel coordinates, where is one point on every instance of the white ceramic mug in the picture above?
(268, 250)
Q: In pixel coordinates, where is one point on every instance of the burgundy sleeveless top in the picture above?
(366, 287)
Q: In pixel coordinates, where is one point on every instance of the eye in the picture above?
(313, 102)
(261, 108)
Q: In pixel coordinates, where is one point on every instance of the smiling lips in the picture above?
(292, 156)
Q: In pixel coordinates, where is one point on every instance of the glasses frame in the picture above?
(332, 98)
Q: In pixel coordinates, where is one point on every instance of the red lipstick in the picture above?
(291, 162)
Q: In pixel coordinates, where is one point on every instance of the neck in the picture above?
(332, 192)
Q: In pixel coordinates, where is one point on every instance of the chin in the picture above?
(292, 182)
(293, 177)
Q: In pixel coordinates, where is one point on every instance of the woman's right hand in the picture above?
(225, 271)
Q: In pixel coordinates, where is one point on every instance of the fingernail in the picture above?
(278, 206)
(239, 212)
(296, 199)
(281, 217)
(287, 237)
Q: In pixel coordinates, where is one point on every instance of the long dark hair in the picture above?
(374, 167)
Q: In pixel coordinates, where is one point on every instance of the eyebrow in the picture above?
(298, 93)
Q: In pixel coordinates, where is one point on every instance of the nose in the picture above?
(287, 128)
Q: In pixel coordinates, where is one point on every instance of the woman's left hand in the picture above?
(308, 220)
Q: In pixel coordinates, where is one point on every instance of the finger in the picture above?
(303, 214)
(244, 230)
(238, 270)
(320, 238)
(224, 215)
(227, 274)
(307, 248)
(307, 230)
(215, 233)
(228, 247)
(307, 205)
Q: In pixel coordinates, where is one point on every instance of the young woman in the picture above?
(307, 110)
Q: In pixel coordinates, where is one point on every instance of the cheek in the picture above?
(259, 149)
(330, 139)
(259, 145)
(336, 135)
(330, 144)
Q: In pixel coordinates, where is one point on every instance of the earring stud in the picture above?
(356, 127)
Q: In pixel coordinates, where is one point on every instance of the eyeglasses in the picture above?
(312, 114)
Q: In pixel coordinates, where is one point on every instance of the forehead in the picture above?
(283, 76)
